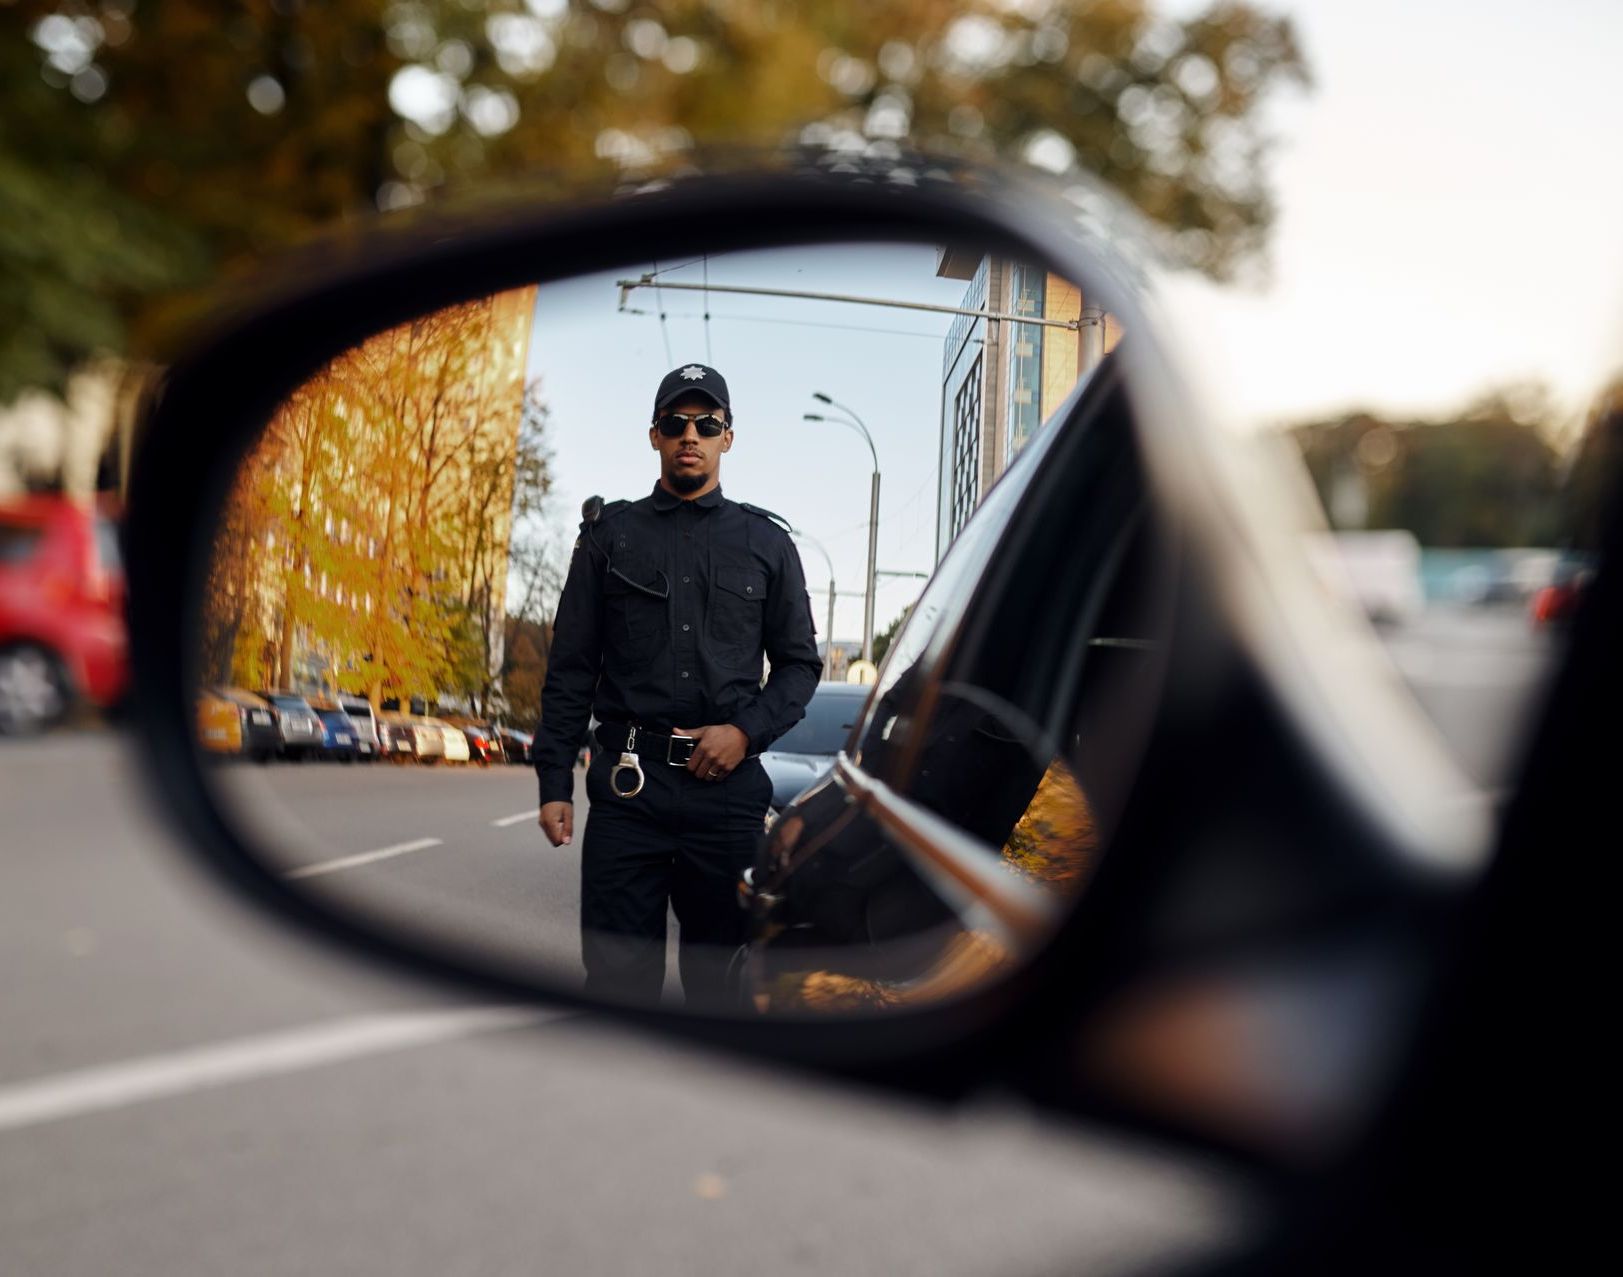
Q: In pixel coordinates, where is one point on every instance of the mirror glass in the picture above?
(537, 626)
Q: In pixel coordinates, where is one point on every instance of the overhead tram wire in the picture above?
(797, 323)
(708, 357)
(679, 266)
(664, 328)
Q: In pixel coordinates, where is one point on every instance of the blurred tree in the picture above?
(177, 142)
(1486, 478)
(525, 671)
(887, 636)
(1594, 475)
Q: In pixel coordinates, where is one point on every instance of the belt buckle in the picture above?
(675, 747)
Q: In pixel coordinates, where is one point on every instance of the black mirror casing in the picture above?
(1152, 906)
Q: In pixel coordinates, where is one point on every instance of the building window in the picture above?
(966, 449)
(1027, 296)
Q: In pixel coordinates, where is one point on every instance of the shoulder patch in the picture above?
(767, 515)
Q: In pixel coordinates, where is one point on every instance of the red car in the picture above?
(62, 638)
(1556, 603)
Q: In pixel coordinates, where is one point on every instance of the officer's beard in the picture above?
(686, 481)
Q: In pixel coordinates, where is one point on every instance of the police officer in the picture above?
(670, 603)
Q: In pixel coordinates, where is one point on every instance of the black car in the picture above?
(806, 751)
(515, 744)
(999, 715)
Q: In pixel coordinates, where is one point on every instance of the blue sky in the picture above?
(599, 369)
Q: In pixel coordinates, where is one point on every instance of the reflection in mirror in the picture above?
(408, 623)
(1011, 748)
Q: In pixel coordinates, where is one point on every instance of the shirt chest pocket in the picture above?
(737, 611)
(635, 620)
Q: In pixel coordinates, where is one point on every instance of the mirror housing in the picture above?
(1256, 659)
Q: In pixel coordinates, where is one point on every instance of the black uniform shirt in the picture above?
(734, 589)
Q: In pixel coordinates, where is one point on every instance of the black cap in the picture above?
(692, 379)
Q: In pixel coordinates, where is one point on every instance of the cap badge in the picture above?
(693, 372)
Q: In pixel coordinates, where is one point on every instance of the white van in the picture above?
(359, 710)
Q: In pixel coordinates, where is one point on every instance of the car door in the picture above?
(989, 755)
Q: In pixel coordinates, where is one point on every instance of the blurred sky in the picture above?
(1450, 219)
(1451, 213)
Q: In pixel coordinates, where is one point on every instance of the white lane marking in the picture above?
(364, 858)
(505, 821)
(155, 1077)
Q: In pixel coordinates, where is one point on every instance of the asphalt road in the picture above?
(1478, 673)
(185, 1089)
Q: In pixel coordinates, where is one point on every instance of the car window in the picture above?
(829, 720)
(18, 541)
(1003, 738)
(931, 623)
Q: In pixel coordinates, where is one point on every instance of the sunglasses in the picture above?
(673, 425)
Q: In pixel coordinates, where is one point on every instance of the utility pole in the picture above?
(828, 634)
(856, 423)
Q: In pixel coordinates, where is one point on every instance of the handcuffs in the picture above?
(629, 762)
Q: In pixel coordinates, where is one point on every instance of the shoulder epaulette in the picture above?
(609, 510)
(768, 515)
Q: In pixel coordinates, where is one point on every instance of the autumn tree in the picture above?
(367, 541)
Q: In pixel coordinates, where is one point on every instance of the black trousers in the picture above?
(681, 841)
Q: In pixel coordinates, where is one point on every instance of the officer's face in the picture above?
(690, 461)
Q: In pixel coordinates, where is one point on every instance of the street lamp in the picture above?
(828, 637)
(855, 422)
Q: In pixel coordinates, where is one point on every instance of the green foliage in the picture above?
(1486, 478)
(78, 251)
(887, 636)
(168, 140)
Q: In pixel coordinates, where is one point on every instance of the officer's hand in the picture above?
(558, 822)
(719, 751)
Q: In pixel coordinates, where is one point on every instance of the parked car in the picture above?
(483, 747)
(804, 753)
(261, 737)
(219, 725)
(301, 731)
(515, 744)
(397, 736)
(430, 739)
(480, 736)
(233, 722)
(62, 639)
(365, 723)
(338, 734)
(1557, 603)
(453, 742)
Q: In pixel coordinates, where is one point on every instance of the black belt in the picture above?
(625, 738)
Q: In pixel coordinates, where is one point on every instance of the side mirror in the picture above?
(368, 551)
